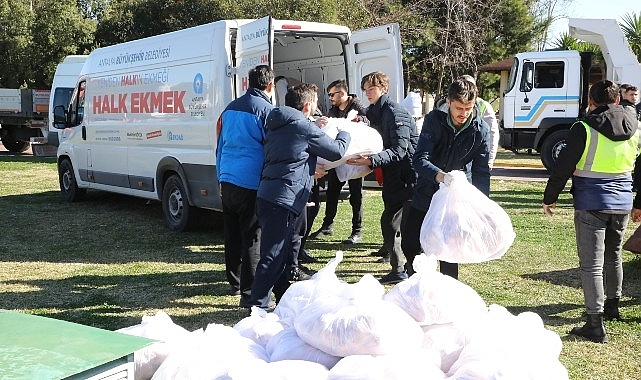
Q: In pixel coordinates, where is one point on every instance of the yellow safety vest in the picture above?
(604, 158)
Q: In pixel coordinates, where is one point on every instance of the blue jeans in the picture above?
(599, 238)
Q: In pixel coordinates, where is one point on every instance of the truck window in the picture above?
(549, 74)
(527, 80)
(513, 74)
(77, 106)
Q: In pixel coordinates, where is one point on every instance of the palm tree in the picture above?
(631, 27)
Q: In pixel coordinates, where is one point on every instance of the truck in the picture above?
(547, 91)
(142, 117)
(26, 115)
(23, 114)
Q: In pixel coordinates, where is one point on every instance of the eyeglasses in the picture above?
(331, 94)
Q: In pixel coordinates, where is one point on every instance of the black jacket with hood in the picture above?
(398, 130)
(617, 123)
(292, 145)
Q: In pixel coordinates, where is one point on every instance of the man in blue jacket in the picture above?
(239, 161)
(292, 145)
(600, 157)
(399, 134)
(454, 137)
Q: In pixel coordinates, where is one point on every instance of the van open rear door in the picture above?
(377, 49)
(254, 46)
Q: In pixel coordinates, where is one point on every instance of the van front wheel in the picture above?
(178, 213)
(68, 184)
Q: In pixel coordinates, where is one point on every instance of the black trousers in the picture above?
(333, 193)
(411, 241)
(242, 236)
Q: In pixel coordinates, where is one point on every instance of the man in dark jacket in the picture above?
(398, 130)
(239, 161)
(599, 156)
(454, 137)
(342, 103)
(292, 145)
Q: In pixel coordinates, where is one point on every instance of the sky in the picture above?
(594, 9)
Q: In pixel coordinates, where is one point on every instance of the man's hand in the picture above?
(321, 121)
(319, 172)
(547, 209)
(360, 161)
(636, 215)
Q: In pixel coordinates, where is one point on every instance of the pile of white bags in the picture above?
(427, 327)
(463, 225)
(364, 141)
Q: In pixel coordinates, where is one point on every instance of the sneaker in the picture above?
(384, 259)
(393, 278)
(297, 274)
(323, 231)
(245, 305)
(353, 238)
(308, 271)
(233, 291)
(382, 252)
(306, 258)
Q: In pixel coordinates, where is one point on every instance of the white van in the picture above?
(142, 119)
(64, 81)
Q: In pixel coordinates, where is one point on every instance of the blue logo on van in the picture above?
(175, 136)
(198, 84)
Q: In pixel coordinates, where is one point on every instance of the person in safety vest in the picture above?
(600, 157)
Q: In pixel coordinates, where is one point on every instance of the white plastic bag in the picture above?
(364, 140)
(463, 225)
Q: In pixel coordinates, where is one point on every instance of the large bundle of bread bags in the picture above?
(428, 327)
(365, 140)
(463, 225)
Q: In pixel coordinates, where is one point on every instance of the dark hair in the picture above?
(375, 78)
(462, 90)
(604, 92)
(300, 94)
(260, 77)
(340, 84)
(627, 87)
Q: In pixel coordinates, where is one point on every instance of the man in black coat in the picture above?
(398, 130)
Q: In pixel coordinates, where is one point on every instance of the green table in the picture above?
(33, 347)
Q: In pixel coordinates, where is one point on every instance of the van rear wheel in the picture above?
(68, 184)
(179, 215)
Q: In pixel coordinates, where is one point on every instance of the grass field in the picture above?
(109, 260)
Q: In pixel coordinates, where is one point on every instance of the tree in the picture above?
(58, 30)
(631, 27)
(545, 13)
(15, 38)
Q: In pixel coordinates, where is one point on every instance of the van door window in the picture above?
(549, 74)
(77, 106)
(527, 77)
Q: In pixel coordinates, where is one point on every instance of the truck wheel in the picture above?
(14, 145)
(68, 185)
(552, 146)
(179, 215)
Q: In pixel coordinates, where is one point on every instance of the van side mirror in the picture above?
(59, 117)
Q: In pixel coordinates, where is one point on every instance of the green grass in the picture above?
(109, 260)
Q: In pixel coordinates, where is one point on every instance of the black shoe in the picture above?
(233, 291)
(382, 252)
(384, 259)
(245, 305)
(323, 231)
(393, 278)
(306, 270)
(354, 238)
(297, 274)
(611, 310)
(306, 258)
(592, 330)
